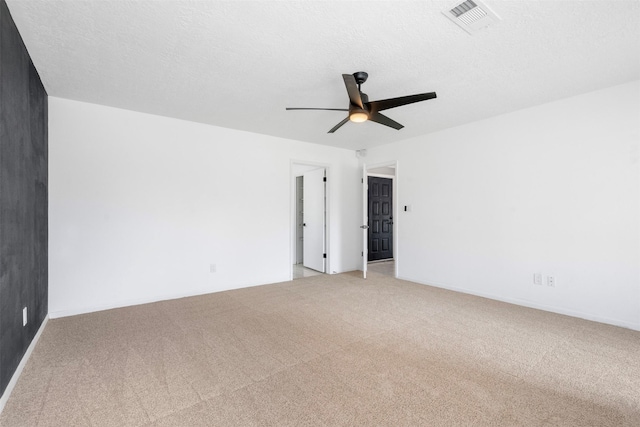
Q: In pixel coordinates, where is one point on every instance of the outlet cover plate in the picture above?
(537, 279)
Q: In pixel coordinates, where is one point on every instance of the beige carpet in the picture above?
(329, 350)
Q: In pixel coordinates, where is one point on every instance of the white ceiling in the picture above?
(238, 64)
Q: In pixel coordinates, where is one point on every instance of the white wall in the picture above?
(141, 205)
(553, 189)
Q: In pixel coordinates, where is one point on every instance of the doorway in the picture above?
(380, 209)
(380, 213)
(309, 248)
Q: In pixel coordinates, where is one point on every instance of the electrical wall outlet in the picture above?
(537, 279)
(551, 281)
(24, 316)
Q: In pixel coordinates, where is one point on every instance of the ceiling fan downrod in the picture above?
(360, 77)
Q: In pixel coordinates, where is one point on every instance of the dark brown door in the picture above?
(380, 218)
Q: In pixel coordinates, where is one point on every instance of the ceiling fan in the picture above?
(361, 109)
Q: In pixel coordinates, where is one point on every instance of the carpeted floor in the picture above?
(329, 350)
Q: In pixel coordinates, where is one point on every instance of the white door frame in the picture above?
(365, 221)
(395, 210)
(295, 168)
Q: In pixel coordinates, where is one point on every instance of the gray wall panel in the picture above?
(23, 198)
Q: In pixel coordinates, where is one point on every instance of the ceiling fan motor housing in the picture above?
(357, 114)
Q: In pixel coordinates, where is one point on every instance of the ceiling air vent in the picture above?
(471, 15)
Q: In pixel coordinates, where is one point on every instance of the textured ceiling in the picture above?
(238, 64)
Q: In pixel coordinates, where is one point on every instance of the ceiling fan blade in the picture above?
(327, 109)
(397, 102)
(352, 90)
(336, 127)
(384, 120)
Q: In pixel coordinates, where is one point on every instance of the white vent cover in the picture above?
(471, 15)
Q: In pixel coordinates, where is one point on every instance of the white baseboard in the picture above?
(525, 303)
(56, 314)
(23, 362)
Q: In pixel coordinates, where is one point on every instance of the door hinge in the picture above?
(324, 255)
(324, 179)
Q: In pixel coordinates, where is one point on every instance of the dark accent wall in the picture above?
(23, 198)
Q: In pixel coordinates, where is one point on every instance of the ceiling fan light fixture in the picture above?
(358, 116)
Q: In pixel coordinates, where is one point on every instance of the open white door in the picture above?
(365, 220)
(314, 220)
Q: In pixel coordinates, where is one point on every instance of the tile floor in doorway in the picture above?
(387, 267)
(300, 271)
